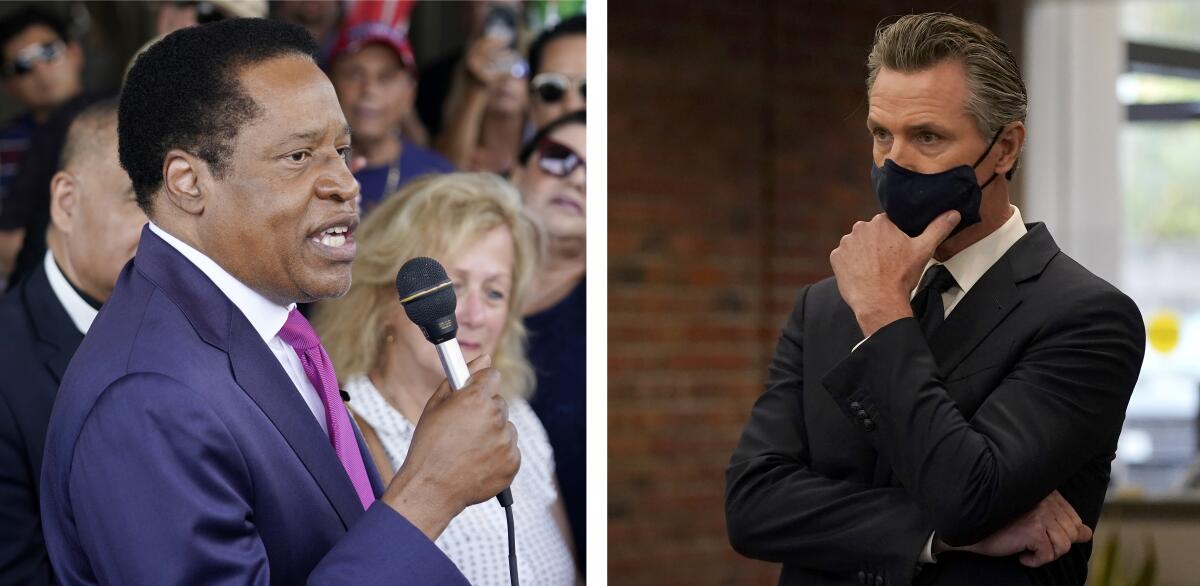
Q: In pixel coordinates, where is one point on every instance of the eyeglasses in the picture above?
(551, 87)
(558, 159)
(32, 55)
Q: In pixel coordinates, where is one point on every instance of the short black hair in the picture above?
(576, 117)
(16, 23)
(183, 92)
(575, 25)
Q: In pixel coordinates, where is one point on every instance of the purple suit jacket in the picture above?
(179, 452)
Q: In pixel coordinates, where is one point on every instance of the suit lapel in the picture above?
(58, 335)
(261, 376)
(992, 299)
(254, 366)
(975, 316)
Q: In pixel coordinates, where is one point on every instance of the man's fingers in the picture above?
(502, 404)
(1070, 510)
(1085, 534)
(481, 362)
(1038, 553)
(1082, 533)
(938, 230)
(443, 391)
(1060, 539)
(1030, 556)
(1042, 550)
(1030, 559)
(1062, 516)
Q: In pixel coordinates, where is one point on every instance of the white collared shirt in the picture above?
(266, 316)
(969, 265)
(78, 310)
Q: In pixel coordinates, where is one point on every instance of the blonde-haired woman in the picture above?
(475, 226)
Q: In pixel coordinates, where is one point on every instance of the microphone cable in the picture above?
(512, 547)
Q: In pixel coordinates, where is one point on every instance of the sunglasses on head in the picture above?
(558, 159)
(32, 55)
(551, 87)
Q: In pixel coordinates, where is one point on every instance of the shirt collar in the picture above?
(81, 314)
(266, 316)
(970, 264)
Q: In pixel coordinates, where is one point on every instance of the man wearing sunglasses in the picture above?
(552, 180)
(558, 71)
(42, 69)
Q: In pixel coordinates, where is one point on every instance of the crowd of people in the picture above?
(477, 160)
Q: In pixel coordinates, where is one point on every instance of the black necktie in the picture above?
(927, 304)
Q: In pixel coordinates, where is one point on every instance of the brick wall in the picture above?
(738, 156)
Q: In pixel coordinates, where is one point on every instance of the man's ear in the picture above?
(64, 201)
(182, 176)
(1012, 139)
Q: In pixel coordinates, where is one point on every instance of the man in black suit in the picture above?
(945, 408)
(94, 231)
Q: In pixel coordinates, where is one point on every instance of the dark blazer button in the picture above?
(855, 405)
(868, 425)
(861, 414)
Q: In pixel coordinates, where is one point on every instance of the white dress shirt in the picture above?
(266, 316)
(78, 310)
(967, 267)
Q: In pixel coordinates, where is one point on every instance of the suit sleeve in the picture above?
(779, 509)
(1061, 405)
(160, 494)
(23, 558)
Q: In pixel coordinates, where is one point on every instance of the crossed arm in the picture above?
(1061, 405)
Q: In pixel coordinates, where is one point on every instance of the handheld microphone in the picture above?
(427, 295)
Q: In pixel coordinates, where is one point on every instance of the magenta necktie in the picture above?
(299, 334)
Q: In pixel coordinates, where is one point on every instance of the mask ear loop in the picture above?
(984, 156)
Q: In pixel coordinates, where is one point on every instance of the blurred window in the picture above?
(1159, 155)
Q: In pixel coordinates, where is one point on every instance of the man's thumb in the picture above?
(939, 229)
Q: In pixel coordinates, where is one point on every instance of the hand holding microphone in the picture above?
(427, 295)
(464, 449)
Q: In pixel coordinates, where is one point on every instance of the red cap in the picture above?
(383, 22)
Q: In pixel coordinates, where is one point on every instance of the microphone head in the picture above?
(427, 295)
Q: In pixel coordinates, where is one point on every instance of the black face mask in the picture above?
(912, 200)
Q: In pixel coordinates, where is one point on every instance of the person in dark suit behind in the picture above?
(94, 230)
(199, 436)
(944, 409)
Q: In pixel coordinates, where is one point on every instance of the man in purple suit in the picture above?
(199, 436)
